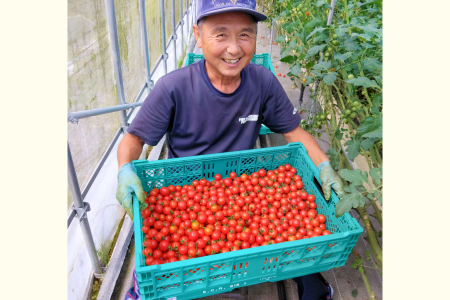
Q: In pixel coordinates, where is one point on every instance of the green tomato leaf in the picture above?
(313, 23)
(354, 293)
(371, 196)
(341, 31)
(367, 143)
(354, 176)
(292, 44)
(321, 38)
(374, 134)
(354, 265)
(284, 53)
(319, 29)
(296, 69)
(310, 64)
(375, 111)
(351, 45)
(342, 57)
(334, 160)
(281, 39)
(323, 65)
(363, 81)
(376, 173)
(315, 49)
(320, 3)
(372, 64)
(349, 201)
(330, 78)
(143, 206)
(377, 100)
(289, 59)
(380, 198)
(352, 149)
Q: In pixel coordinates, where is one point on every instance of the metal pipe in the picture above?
(81, 212)
(163, 34)
(145, 45)
(174, 34)
(187, 19)
(112, 24)
(73, 117)
(271, 30)
(182, 25)
(330, 14)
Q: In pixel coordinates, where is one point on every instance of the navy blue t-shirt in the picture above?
(199, 119)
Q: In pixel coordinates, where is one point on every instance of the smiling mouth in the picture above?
(231, 61)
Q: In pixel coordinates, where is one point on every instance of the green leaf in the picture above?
(340, 32)
(333, 155)
(310, 64)
(369, 124)
(320, 3)
(371, 196)
(281, 39)
(330, 78)
(289, 59)
(347, 189)
(354, 176)
(352, 149)
(372, 64)
(364, 36)
(342, 57)
(300, 48)
(284, 53)
(363, 81)
(380, 198)
(375, 111)
(338, 134)
(370, 30)
(314, 50)
(292, 44)
(313, 23)
(323, 65)
(296, 69)
(351, 45)
(354, 265)
(349, 201)
(319, 29)
(374, 134)
(367, 143)
(376, 173)
(321, 38)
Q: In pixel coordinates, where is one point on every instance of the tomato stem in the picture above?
(372, 239)
(364, 275)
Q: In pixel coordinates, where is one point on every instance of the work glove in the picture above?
(128, 183)
(330, 179)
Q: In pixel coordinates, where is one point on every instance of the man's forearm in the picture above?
(129, 149)
(313, 149)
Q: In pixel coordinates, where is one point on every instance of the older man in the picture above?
(216, 104)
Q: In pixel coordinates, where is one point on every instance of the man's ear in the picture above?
(197, 35)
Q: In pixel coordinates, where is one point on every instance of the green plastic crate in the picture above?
(259, 59)
(215, 274)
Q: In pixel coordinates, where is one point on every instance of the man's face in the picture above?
(228, 42)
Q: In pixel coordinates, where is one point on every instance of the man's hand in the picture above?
(128, 183)
(330, 179)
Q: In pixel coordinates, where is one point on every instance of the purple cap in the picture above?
(212, 7)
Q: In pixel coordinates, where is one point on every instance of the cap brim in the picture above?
(258, 16)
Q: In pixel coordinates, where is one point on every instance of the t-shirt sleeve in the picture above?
(278, 113)
(155, 116)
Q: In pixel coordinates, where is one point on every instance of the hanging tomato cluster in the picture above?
(228, 214)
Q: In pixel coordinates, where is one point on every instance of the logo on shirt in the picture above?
(295, 111)
(249, 118)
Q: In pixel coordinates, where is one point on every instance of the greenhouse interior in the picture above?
(327, 57)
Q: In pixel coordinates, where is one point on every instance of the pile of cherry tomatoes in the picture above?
(228, 214)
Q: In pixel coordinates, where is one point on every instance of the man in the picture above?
(217, 104)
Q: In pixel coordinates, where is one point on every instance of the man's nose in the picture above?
(233, 47)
